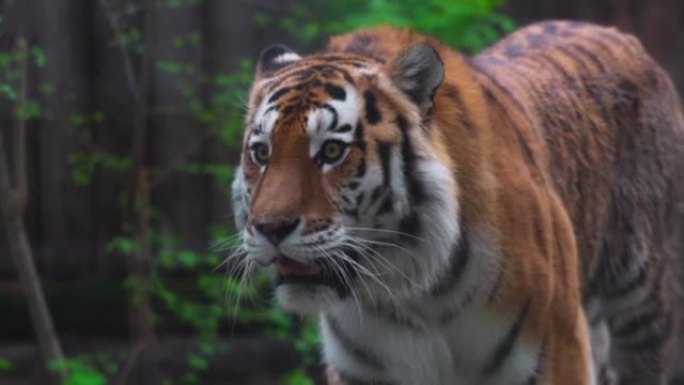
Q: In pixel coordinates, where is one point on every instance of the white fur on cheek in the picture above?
(239, 199)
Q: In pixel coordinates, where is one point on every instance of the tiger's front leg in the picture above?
(567, 354)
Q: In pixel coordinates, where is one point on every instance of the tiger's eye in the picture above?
(260, 153)
(332, 151)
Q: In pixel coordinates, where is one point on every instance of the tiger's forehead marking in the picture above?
(334, 119)
(329, 110)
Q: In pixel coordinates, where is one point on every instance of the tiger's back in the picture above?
(611, 132)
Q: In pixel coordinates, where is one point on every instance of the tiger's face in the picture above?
(340, 185)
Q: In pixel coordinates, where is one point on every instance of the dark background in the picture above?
(71, 225)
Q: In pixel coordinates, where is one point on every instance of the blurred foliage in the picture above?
(86, 370)
(468, 25)
(14, 66)
(5, 365)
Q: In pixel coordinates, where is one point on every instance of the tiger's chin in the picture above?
(306, 299)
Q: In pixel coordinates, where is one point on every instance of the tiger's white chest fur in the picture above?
(369, 347)
(449, 336)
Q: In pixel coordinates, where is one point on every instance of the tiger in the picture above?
(502, 218)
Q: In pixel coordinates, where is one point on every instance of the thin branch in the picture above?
(125, 54)
(130, 365)
(19, 134)
(11, 213)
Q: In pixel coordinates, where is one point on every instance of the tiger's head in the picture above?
(343, 185)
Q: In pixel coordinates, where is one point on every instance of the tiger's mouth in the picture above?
(316, 272)
(288, 267)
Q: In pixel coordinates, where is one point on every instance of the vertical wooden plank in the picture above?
(182, 199)
(62, 238)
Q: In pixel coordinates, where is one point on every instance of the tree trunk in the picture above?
(13, 200)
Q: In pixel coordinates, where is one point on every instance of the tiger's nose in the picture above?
(276, 231)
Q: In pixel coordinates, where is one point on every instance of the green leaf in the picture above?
(122, 245)
(178, 42)
(46, 89)
(5, 59)
(38, 56)
(298, 377)
(195, 38)
(28, 110)
(170, 67)
(5, 365)
(85, 377)
(98, 117)
(188, 258)
(198, 363)
(8, 91)
(174, 4)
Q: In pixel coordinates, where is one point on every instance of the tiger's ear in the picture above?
(418, 71)
(274, 58)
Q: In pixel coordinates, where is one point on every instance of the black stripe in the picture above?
(635, 324)
(299, 69)
(601, 47)
(337, 58)
(387, 205)
(361, 168)
(372, 113)
(363, 356)
(656, 337)
(458, 263)
(347, 77)
(359, 199)
(410, 225)
(526, 150)
(589, 55)
(351, 212)
(518, 105)
(384, 153)
(454, 94)
(358, 136)
(496, 286)
(455, 310)
(560, 253)
(377, 192)
(595, 282)
(278, 94)
(550, 60)
(390, 314)
(619, 289)
(513, 50)
(335, 92)
(416, 192)
(333, 112)
(580, 65)
(534, 378)
(550, 28)
(506, 345)
(342, 129)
